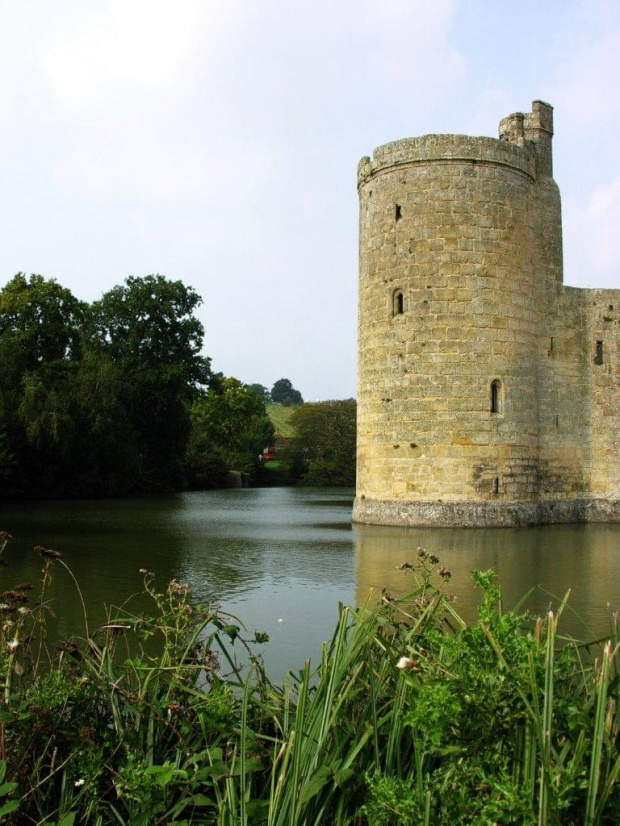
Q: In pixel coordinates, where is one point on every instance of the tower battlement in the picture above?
(535, 127)
(447, 149)
(487, 392)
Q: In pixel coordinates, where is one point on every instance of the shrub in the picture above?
(412, 716)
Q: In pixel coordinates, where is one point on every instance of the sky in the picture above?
(217, 142)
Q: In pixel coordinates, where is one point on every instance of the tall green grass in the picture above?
(412, 716)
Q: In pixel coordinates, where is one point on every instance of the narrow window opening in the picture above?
(598, 353)
(496, 486)
(398, 306)
(557, 420)
(551, 344)
(496, 396)
(398, 214)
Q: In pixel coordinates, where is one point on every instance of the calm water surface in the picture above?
(282, 559)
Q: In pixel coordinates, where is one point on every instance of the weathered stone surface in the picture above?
(461, 309)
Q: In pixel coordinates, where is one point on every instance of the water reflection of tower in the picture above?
(582, 558)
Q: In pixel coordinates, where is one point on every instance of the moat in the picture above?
(282, 558)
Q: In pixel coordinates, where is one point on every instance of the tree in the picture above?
(96, 400)
(261, 391)
(323, 451)
(283, 392)
(41, 327)
(150, 322)
(148, 330)
(230, 428)
(40, 322)
(6, 459)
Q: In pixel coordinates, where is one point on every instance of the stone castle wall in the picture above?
(480, 399)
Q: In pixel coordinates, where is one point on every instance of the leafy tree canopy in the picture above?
(261, 391)
(150, 321)
(283, 392)
(230, 424)
(323, 451)
(96, 399)
(40, 322)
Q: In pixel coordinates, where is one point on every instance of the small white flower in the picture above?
(11, 646)
(280, 619)
(79, 782)
(407, 662)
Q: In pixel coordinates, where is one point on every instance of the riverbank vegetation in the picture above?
(322, 450)
(412, 716)
(115, 398)
(229, 430)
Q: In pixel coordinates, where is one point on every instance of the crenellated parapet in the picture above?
(533, 130)
(448, 149)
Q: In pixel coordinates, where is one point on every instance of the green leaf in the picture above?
(231, 631)
(67, 820)
(344, 775)
(216, 770)
(9, 807)
(322, 776)
(199, 800)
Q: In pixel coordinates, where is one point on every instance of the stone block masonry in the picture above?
(487, 391)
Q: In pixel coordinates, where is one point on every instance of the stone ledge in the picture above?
(437, 149)
(484, 514)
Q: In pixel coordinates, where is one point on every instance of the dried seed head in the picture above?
(180, 589)
(14, 596)
(407, 663)
(47, 553)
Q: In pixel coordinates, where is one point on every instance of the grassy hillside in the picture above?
(280, 417)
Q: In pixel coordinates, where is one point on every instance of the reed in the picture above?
(411, 716)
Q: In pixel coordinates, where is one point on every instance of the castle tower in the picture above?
(460, 292)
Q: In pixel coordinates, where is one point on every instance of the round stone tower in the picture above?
(455, 266)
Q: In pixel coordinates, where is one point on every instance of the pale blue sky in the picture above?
(217, 142)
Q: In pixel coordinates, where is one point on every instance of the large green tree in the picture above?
(96, 400)
(230, 428)
(146, 328)
(41, 326)
(40, 322)
(283, 392)
(323, 449)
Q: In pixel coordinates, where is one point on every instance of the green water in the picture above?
(282, 559)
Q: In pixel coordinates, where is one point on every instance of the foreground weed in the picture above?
(411, 716)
